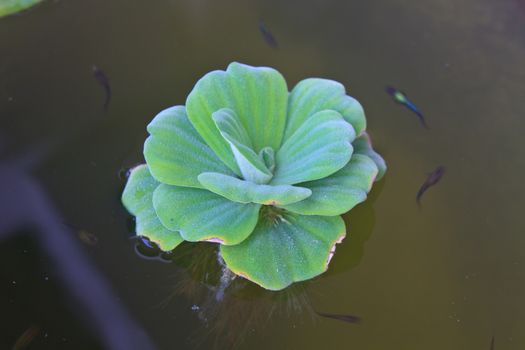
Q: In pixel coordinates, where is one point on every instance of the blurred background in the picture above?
(446, 275)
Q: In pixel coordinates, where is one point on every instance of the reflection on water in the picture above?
(447, 276)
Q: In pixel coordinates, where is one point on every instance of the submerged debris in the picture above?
(26, 338)
(87, 237)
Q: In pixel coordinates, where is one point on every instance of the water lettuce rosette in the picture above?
(262, 171)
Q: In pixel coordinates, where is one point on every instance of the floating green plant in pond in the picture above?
(262, 171)
(8, 7)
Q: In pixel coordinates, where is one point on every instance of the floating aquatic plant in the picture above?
(9, 7)
(264, 172)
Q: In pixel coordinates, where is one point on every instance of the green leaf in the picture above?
(138, 199)
(252, 166)
(9, 7)
(258, 95)
(312, 95)
(339, 192)
(248, 192)
(175, 152)
(363, 145)
(200, 215)
(318, 148)
(267, 154)
(294, 249)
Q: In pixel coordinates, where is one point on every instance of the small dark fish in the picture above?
(267, 35)
(401, 98)
(432, 179)
(26, 338)
(492, 343)
(344, 318)
(103, 80)
(87, 237)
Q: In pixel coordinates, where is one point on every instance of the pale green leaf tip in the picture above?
(236, 121)
(128, 192)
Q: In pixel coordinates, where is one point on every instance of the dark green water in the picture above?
(447, 276)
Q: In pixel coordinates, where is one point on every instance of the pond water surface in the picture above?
(447, 275)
